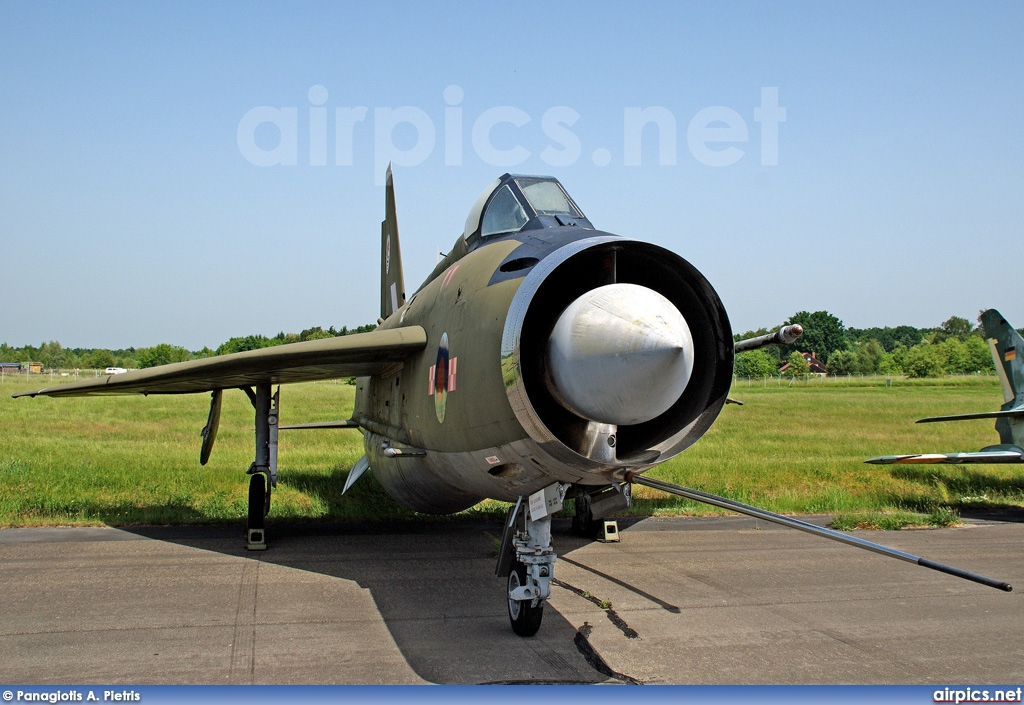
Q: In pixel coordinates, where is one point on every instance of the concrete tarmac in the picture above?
(726, 600)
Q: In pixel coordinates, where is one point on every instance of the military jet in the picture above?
(541, 360)
(1007, 352)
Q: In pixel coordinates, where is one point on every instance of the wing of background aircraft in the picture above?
(1008, 355)
(1010, 455)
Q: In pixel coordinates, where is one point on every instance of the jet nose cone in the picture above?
(620, 354)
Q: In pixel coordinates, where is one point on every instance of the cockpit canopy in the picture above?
(514, 203)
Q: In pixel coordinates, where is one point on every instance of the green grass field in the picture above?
(791, 449)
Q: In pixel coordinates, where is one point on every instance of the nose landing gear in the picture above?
(527, 558)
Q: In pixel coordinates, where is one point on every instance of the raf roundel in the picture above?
(442, 378)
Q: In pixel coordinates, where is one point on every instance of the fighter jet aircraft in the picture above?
(1007, 352)
(541, 360)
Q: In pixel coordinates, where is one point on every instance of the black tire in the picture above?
(257, 500)
(583, 522)
(524, 616)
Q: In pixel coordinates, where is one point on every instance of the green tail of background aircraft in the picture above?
(1008, 355)
(541, 360)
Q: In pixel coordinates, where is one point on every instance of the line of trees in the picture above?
(54, 356)
(955, 347)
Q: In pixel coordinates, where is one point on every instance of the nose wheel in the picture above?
(527, 559)
(525, 615)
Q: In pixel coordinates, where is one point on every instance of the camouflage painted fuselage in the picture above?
(471, 416)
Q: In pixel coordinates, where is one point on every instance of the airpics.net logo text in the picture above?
(716, 136)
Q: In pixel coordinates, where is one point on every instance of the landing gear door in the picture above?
(507, 552)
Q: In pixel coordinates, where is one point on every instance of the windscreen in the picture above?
(547, 197)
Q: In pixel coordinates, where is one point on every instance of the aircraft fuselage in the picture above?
(476, 414)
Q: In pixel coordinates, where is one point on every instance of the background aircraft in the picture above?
(541, 360)
(1007, 352)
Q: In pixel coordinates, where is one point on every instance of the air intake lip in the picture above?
(571, 272)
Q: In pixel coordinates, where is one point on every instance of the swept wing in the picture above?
(983, 456)
(1017, 412)
(358, 355)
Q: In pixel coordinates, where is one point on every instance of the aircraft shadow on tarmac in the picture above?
(432, 581)
(434, 586)
(967, 482)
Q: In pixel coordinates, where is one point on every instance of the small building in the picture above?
(815, 365)
(14, 368)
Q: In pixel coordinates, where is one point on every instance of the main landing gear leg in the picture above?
(263, 471)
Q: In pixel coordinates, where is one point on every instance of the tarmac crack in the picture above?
(836, 636)
(612, 615)
(632, 588)
(590, 655)
(170, 626)
(243, 642)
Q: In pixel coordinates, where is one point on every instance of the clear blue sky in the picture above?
(131, 212)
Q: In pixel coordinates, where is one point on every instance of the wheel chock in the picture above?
(609, 531)
(256, 540)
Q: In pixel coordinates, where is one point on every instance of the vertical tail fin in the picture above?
(392, 281)
(1007, 352)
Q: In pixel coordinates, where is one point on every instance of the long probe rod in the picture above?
(733, 505)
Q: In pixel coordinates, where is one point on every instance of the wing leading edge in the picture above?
(1016, 412)
(1009, 455)
(357, 355)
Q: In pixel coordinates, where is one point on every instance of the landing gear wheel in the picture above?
(257, 500)
(525, 617)
(583, 522)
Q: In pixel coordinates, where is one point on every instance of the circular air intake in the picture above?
(608, 330)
